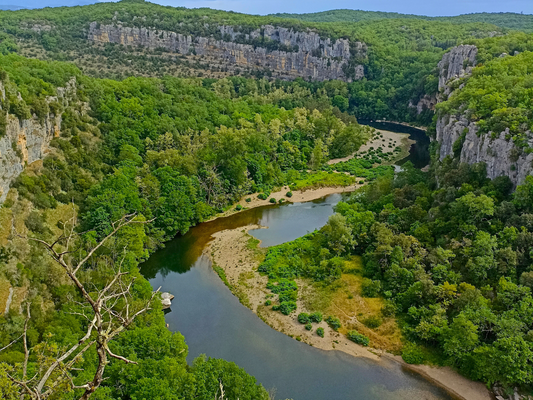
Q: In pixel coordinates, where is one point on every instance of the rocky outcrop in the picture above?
(425, 103)
(457, 63)
(496, 149)
(500, 155)
(301, 54)
(27, 141)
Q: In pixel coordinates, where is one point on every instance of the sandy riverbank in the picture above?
(231, 251)
(394, 138)
(298, 196)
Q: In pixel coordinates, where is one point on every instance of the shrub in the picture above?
(370, 288)
(361, 182)
(288, 194)
(275, 308)
(268, 302)
(303, 318)
(272, 200)
(280, 201)
(389, 309)
(262, 196)
(320, 332)
(249, 199)
(36, 222)
(358, 338)
(316, 317)
(309, 326)
(334, 323)
(239, 207)
(373, 322)
(413, 354)
(286, 307)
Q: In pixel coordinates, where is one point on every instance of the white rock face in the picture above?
(320, 59)
(27, 141)
(457, 63)
(501, 155)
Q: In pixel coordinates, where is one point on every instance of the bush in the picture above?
(249, 199)
(361, 182)
(287, 307)
(413, 354)
(262, 196)
(308, 326)
(320, 332)
(280, 201)
(303, 318)
(272, 200)
(372, 322)
(316, 317)
(288, 194)
(370, 288)
(358, 338)
(334, 323)
(389, 309)
(268, 302)
(36, 222)
(238, 208)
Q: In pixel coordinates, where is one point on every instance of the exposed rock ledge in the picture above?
(27, 141)
(501, 155)
(320, 59)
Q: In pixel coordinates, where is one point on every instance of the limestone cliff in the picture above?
(305, 54)
(27, 141)
(501, 155)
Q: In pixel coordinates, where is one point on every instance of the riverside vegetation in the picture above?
(447, 251)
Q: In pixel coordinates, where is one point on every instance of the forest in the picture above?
(146, 152)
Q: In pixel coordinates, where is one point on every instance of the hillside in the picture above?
(513, 21)
(123, 125)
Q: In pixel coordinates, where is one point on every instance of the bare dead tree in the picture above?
(108, 310)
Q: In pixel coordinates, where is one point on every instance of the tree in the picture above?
(338, 234)
(107, 307)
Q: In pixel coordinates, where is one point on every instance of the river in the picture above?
(215, 323)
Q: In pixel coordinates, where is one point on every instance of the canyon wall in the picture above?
(498, 152)
(27, 141)
(310, 55)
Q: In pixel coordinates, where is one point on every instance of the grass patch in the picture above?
(321, 179)
(343, 299)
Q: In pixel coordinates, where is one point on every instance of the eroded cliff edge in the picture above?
(26, 141)
(459, 137)
(294, 54)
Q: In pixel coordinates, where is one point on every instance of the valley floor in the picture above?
(236, 256)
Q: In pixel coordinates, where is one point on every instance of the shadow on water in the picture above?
(215, 323)
(419, 151)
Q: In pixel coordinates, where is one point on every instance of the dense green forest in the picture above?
(449, 250)
(519, 22)
(172, 151)
(453, 262)
(400, 65)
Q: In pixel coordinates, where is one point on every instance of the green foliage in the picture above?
(262, 196)
(303, 318)
(372, 322)
(273, 200)
(288, 194)
(333, 322)
(315, 317)
(496, 97)
(309, 326)
(413, 354)
(320, 332)
(248, 199)
(358, 338)
(238, 208)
